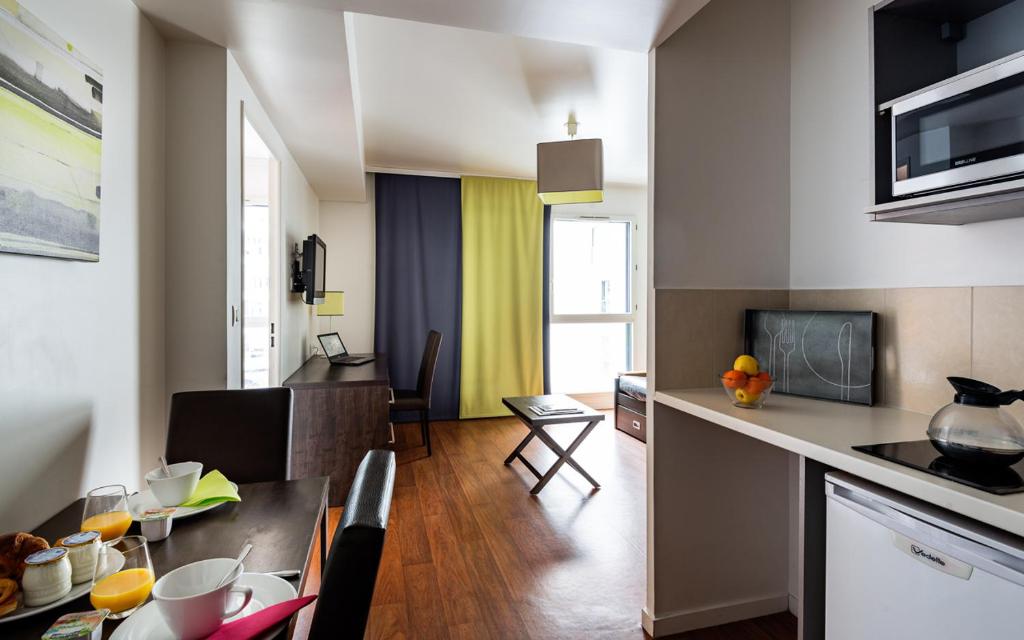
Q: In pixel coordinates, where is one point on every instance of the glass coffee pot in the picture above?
(975, 429)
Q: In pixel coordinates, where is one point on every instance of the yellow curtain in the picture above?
(502, 272)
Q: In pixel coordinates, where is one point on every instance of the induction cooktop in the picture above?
(921, 455)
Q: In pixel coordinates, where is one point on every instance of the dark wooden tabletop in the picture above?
(521, 407)
(279, 519)
(319, 372)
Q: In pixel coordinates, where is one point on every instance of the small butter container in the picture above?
(47, 577)
(87, 625)
(156, 523)
(83, 552)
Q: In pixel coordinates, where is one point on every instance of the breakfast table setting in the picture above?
(189, 556)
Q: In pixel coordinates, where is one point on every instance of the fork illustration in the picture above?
(787, 344)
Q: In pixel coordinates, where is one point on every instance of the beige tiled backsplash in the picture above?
(700, 331)
(925, 334)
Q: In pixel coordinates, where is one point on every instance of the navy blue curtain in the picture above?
(419, 281)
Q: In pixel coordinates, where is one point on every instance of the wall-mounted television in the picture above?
(310, 276)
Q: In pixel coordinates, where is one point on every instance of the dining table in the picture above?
(281, 519)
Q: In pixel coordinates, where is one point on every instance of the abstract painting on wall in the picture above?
(51, 129)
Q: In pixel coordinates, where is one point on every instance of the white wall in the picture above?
(299, 209)
(348, 229)
(81, 344)
(721, 168)
(833, 244)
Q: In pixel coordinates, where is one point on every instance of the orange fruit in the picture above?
(756, 385)
(734, 379)
(764, 375)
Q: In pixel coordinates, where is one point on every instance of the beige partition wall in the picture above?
(719, 244)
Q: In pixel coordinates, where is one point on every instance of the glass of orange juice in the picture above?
(124, 576)
(106, 511)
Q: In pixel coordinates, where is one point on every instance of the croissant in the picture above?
(14, 548)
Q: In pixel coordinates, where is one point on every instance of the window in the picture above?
(592, 302)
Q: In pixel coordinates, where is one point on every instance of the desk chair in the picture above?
(351, 572)
(246, 434)
(419, 399)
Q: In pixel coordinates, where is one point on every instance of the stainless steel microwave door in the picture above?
(972, 136)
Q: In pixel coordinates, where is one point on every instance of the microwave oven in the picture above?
(961, 132)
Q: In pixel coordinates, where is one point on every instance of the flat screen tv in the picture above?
(314, 276)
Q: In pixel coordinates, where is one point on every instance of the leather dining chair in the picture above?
(246, 434)
(418, 399)
(346, 590)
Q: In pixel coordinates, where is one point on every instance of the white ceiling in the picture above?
(429, 97)
(462, 101)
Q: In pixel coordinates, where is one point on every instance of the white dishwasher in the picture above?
(898, 568)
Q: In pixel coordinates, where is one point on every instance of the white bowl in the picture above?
(170, 492)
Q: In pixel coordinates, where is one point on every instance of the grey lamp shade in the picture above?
(570, 171)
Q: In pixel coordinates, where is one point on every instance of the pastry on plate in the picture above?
(8, 596)
(14, 548)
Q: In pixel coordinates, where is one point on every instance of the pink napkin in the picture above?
(253, 625)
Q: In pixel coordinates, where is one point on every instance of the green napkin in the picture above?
(213, 488)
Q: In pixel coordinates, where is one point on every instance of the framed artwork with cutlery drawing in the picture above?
(828, 355)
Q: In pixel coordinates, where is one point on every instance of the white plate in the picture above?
(147, 623)
(142, 500)
(77, 591)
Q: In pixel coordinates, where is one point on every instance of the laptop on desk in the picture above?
(336, 352)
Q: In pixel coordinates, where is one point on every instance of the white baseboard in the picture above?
(688, 620)
(794, 605)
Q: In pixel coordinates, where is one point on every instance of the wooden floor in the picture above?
(471, 554)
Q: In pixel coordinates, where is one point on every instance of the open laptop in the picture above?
(336, 352)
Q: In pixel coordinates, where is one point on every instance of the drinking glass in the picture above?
(106, 511)
(123, 578)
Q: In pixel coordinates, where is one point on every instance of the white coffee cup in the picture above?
(192, 604)
(179, 487)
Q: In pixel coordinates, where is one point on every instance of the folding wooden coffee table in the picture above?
(520, 406)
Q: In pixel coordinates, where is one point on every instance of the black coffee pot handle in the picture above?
(1010, 396)
(982, 393)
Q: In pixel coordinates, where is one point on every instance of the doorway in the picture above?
(260, 257)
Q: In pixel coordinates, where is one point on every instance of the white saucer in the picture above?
(77, 591)
(139, 502)
(147, 623)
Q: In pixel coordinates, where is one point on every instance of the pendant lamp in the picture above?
(570, 171)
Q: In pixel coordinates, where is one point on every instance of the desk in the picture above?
(280, 519)
(340, 413)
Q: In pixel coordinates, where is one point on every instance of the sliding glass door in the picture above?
(592, 306)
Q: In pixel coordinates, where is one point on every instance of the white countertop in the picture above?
(825, 431)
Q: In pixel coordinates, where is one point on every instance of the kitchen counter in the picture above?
(736, 517)
(826, 431)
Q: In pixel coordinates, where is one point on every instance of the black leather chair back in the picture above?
(346, 590)
(428, 364)
(246, 434)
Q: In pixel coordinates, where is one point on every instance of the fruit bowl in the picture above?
(749, 392)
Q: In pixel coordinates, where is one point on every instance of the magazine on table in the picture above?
(548, 410)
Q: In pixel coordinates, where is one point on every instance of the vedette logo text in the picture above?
(918, 551)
